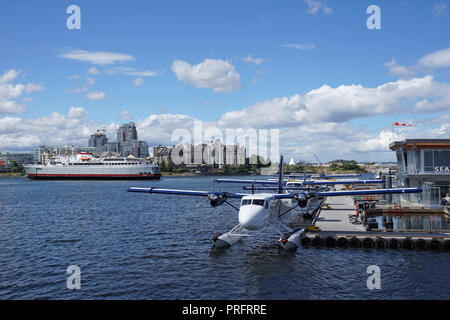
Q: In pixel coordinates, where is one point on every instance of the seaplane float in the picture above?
(272, 200)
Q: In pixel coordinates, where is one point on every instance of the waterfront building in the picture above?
(127, 132)
(99, 140)
(128, 143)
(6, 160)
(136, 148)
(214, 155)
(162, 154)
(424, 163)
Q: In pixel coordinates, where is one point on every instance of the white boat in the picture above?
(85, 166)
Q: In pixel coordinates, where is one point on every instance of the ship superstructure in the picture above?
(84, 165)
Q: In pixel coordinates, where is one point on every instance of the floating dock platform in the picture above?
(340, 225)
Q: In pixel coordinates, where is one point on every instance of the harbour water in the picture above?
(137, 246)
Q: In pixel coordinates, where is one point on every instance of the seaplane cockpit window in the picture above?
(246, 202)
(258, 202)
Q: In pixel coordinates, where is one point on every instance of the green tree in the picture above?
(14, 166)
(162, 166)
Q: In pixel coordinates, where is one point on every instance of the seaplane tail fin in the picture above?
(280, 175)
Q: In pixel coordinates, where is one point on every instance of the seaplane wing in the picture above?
(300, 182)
(333, 182)
(367, 192)
(274, 182)
(187, 192)
(347, 193)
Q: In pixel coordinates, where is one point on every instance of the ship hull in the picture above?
(113, 169)
(92, 177)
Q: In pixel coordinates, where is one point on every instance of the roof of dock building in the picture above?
(417, 144)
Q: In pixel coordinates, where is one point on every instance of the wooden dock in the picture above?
(335, 229)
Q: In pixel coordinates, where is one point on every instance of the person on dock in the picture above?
(445, 200)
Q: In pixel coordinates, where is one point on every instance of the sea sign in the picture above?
(441, 169)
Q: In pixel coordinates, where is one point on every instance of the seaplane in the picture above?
(268, 209)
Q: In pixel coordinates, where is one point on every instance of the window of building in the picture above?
(441, 158)
(428, 161)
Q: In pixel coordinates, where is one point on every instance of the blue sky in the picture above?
(292, 48)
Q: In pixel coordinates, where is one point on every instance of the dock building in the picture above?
(424, 163)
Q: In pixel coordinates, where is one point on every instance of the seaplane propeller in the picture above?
(218, 198)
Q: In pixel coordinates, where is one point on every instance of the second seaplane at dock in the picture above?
(277, 199)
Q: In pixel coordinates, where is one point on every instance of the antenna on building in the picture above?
(102, 130)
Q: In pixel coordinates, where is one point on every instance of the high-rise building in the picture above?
(127, 142)
(98, 140)
(127, 132)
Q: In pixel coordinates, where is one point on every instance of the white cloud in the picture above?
(124, 115)
(316, 6)
(77, 113)
(380, 142)
(9, 76)
(158, 128)
(439, 8)
(97, 57)
(26, 134)
(89, 81)
(437, 59)
(218, 75)
(96, 95)
(300, 46)
(74, 77)
(131, 72)
(9, 92)
(77, 90)
(147, 73)
(138, 82)
(337, 104)
(93, 71)
(250, 59)
(400, 71)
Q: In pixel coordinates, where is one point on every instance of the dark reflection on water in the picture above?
(136, 246)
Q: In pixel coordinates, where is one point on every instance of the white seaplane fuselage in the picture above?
(258, 211)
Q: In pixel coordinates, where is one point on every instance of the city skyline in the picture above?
(312, 69)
